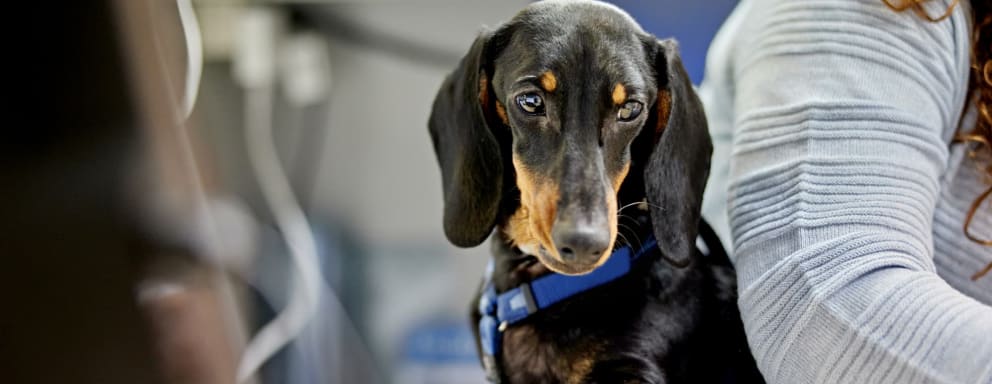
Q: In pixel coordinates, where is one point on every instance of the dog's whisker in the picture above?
(645, 202)
(651, 205)
(632, 232)
(628, 206)
(618, 245)
(632, 222)
(630, 227)
(628, 217)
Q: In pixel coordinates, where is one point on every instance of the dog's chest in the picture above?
(531, 355)
(620, 333)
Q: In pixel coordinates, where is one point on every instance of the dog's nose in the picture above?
(580, 243)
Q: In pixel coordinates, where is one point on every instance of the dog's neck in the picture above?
(513, 267)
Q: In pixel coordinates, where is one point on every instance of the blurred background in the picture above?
(220, 191)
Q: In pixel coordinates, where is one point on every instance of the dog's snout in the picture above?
(581, 243)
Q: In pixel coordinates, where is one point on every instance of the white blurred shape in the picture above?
(306, 69)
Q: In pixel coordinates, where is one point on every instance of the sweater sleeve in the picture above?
(842, 114)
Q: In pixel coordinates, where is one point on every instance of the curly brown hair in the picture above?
(980, 138)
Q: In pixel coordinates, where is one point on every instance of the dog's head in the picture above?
(560, 106)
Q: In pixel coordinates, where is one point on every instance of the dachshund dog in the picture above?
(566, 129)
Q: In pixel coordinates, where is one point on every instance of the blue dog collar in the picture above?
(500, 311)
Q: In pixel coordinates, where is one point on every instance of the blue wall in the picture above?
(692, 22)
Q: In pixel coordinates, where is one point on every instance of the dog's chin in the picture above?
(568, 268)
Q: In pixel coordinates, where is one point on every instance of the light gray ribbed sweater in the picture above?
(835, 175)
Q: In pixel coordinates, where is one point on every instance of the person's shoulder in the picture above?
(938, 33)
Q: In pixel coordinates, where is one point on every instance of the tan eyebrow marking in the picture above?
(619, 94)
(548, 81)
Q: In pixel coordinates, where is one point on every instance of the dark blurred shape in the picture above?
(69, 312)
(82, 169)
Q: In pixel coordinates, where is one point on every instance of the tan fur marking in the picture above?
(530, 226)
(664, 112)
(617, 181)
(581, 367)
(517, 228)
(548, 81)
(501, 111)
(546, 203)
(524, 355)
(619, 94)
(483, 91)
(611, 208)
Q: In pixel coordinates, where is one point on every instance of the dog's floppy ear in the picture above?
(468, 152)
(676, 172)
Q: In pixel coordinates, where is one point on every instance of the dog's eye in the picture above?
(629, 111)
(531, 103)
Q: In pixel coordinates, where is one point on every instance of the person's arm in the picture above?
(843, 108)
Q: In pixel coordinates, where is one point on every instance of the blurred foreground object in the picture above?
(196, 324)
(105, 279)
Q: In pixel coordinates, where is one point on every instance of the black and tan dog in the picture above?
(567, 128)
